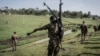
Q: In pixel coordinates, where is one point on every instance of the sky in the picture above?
(71, 5)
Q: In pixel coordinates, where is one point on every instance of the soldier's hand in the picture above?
(28, 34)
(31, 32)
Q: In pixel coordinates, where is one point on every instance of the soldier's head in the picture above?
(52, 19)
(83, 22)
(14, 32)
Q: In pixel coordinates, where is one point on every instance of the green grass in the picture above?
(70, 43)
(26, 23)
(79, 21)
(21, 24)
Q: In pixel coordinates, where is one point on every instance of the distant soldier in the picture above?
(99, 27)
(95, 28)
(84, 31)
(53, 46)
(14, 38)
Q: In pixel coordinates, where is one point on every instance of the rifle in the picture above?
(61, 31)
(59, 15)
(60, 12)
(50, 10)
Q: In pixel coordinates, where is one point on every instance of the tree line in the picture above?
(37, 11)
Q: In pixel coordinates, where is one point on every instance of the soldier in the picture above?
(14, 38)
(53, 46)
(84, 31)
(99, 27)
(95, 28)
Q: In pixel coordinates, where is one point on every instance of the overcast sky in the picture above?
(71, 5)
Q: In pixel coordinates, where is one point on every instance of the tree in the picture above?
(80, 13)
(85, 15)
(30, 11)
(89, 14)
(66, 14)
(44, 12)
(74, 14)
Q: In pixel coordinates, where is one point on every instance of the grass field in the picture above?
(26, 23)
(70, 43)
(21, 24)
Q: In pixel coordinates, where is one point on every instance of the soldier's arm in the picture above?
(38, 29)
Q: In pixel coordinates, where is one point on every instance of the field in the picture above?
(19, 23)
(26, 23)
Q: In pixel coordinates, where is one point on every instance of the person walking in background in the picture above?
(95, 28)
(14, 38)
(84, 31)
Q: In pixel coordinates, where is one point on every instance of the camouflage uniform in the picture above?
(53, 46)
(84, 31)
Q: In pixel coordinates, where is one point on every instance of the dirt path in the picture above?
(37, 42)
